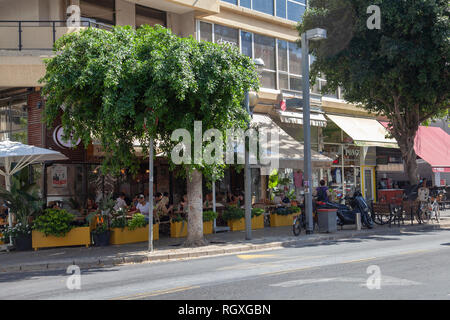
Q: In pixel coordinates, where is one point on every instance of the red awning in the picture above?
(432, 144)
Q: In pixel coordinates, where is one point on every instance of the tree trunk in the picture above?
(406, 144)
(195, 214)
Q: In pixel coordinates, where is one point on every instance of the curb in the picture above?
(163, 257)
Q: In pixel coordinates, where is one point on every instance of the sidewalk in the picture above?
(170, 249)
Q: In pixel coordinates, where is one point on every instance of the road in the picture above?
(411, 265)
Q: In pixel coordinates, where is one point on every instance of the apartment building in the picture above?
(260, 28)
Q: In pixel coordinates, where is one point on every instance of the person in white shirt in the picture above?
(120, 202)
(143, 206)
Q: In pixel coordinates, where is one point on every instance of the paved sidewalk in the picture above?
(169, 249)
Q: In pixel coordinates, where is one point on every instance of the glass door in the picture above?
(368, 183)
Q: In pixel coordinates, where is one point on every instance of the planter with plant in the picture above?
(54, 229)
(24, 205)
(135, 230)
(282, 217)
(100, 233)
(208, 218)
(178, 227)
(257, 218)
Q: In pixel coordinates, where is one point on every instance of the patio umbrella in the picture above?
(14, 156)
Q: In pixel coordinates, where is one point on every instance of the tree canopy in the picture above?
(125, 85)
(400, 70)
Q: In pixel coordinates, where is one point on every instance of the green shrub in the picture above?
(233, 213)
(294, 209)
(209, 215)
(178, 218)
(119, 222)
(256, 212)
(54, 222)
(138, 221)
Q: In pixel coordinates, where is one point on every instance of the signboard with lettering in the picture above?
(59, 176)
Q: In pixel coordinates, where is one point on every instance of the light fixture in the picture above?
(147, 171)
(316, 34)
(95, 171)
(258, 62)
(122, 171)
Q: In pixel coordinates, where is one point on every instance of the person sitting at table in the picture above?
(91, 205)
(142, 207)
(240, 199)
(120, 202)
(183, 205)
(208, 201)
(231, 199)
(162, 207)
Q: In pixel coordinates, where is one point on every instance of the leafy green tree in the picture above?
(400, 70)
(125, 85)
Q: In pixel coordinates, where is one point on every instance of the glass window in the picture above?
(283, 81)
(295, 83)
(246, 3)
(231, 1)
(265, 49)
(282, 55)
(295, 58)
(281, 8)
(265, 6)
(295, 11)
(268, 79)
(205, 31)
(145, 15)
(98, 10)
(224, 34)
(246, 43)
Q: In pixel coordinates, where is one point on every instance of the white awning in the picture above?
(364, 132)
(290, 151)
(316, 119)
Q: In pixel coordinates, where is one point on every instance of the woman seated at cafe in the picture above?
(162, 208)
(183, 205)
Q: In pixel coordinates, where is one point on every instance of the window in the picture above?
(265, 49)
(98, 11)
(281, 8)
(247, 43)
(231, 1)
(224, 34)
(145, 15)
(295, 58)
(206, 31)
(295, 10)
(265, 6)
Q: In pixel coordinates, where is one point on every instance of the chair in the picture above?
(410, 208)
(396, 214)
(382, 213)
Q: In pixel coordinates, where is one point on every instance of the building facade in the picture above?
(259, 28)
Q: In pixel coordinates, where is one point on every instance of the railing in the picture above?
(37, 34)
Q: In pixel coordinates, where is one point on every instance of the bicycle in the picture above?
(424, 212)
(300, 222)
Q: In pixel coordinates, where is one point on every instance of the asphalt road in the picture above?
(412, 265)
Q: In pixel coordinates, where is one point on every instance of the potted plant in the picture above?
(292, 197)
(282, 217)
(101, 233)
(132, 231)
(54, 229)
(234, 217)
(178, 227)
(257, 218)
(208, 218)
(24, 206)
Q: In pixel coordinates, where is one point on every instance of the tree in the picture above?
(400, 70)
(124, 85)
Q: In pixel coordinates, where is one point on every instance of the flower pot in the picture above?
(237, 224)
(101, 239)
(75, 237)
(125, 235)
(207, 227)
(258, 222)
(278, 220)
(23, 242)
(178, 229)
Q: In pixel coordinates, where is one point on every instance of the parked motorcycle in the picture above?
(347, 215)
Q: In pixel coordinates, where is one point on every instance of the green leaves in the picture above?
(126, 85)
(54, 222)
(138, 221)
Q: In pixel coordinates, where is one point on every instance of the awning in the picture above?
(316, 119)
(290, 151)
(432, 144)
(364, 132)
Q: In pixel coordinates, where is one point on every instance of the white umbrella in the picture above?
(22, 155)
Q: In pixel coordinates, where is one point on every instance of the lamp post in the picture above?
(248, 178)
(310, 35)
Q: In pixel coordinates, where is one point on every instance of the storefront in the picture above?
(351, 143)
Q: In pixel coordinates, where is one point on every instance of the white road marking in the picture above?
(385, 281)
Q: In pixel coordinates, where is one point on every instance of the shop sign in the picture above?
(351, 152)
(445, 169)
(58, 134)
(59, 176)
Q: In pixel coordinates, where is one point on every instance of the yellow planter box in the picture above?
(125, 235)
(1, 236)
(75, 237)
(258, 222)
(178, 229)
(207, 227)
(238, 225)
(277, 220)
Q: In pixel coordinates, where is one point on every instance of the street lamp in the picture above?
(310, 35)
(248, 178)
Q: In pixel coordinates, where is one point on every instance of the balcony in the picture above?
(37, 35)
